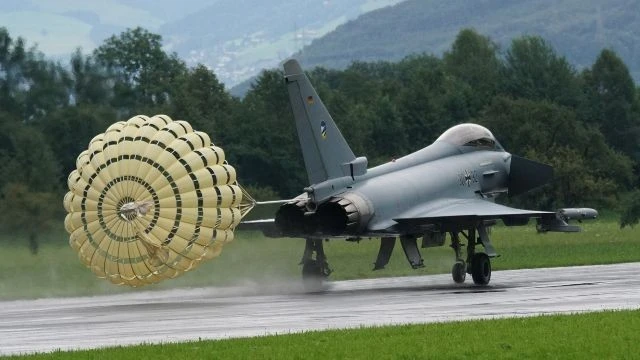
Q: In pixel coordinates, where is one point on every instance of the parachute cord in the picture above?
(247, 203)
(158, 254)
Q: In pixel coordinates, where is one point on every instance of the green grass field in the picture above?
(252, 258)
(606, 335)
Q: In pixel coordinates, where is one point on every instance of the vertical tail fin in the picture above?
(324, 149)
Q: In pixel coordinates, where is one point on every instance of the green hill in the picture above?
(578, 29)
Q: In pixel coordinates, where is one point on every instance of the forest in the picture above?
(584, 123)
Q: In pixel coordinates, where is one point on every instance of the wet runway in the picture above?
(211, 313)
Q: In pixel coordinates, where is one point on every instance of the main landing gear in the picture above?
(315, 268)
(478, 264)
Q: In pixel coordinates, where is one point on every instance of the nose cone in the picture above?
(525, 174)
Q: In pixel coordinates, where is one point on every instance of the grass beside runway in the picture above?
(605, 335)
(254, 259)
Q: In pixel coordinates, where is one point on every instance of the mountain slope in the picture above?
(578, 29)
(236, 38)
(239, 38)
(60, 26)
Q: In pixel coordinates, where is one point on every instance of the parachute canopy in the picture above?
(151, 199)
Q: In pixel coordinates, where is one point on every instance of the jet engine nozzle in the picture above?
(290, 218)
(345, 214)
(525, 174)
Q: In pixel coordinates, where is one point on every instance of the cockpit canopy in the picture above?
(472, 135)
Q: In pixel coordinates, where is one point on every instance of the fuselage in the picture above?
(404, 187)
(409, 185)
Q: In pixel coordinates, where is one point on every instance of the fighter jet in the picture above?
(447, 188)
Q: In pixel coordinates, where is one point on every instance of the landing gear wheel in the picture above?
(459, 272)
(313, 276)
(481, 269)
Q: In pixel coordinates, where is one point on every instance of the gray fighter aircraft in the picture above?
(449, 187)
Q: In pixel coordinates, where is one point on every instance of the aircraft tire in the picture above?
(459, 272)
(481, 269)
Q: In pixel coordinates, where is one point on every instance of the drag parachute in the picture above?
(151, 199)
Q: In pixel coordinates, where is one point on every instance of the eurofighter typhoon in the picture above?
(446, 189)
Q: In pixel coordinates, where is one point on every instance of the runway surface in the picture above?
(211, 313)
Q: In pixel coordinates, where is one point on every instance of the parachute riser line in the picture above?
(130, 212)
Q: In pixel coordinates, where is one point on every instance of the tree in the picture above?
(30, 86)
(143, 72)
(534, 71)
(29, 182)
(587, 170)
(27, 159)
(47, 86)
(612, 103)
(630, 209)
(28, 212)
(262, 141)
(388, 138)
(429, 100)
(202, 100)
(69, 130)
(90, 80)
(473, 59)
(12, 56)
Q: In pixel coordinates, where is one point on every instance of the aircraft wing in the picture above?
(464, 210)
(447, 213)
